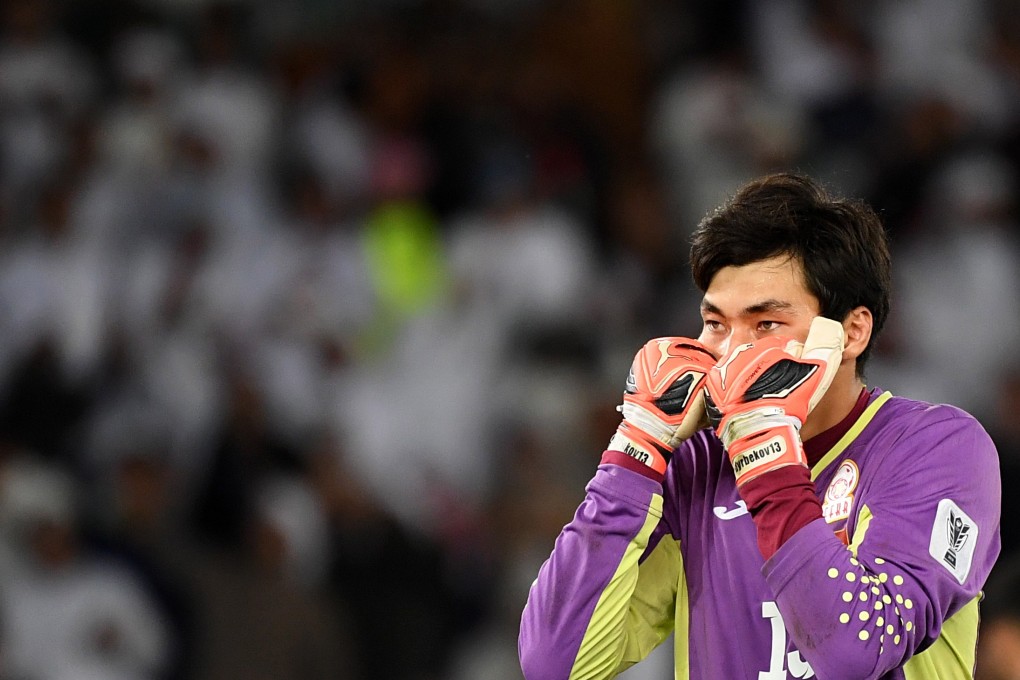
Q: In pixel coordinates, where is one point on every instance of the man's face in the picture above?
(764, 298)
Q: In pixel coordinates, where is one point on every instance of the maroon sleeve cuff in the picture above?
(781, 502)
(625, 461)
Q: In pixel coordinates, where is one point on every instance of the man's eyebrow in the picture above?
(763, 307)
(707, 306)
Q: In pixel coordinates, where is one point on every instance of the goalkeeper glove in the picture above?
(663, 403)
(759, 396)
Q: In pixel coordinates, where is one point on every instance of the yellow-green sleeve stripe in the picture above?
(619, 634)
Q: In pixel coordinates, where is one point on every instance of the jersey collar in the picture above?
(816, 447)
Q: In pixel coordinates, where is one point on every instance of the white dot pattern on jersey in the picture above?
(878, 592)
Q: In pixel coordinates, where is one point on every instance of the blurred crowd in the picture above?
(314, 314)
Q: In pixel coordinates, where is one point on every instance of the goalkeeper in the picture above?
(758, 502)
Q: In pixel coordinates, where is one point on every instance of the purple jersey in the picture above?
(885, 585)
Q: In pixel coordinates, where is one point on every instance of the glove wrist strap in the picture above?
(649, 424)
(766, 450)
(741, 425)
(639, 446)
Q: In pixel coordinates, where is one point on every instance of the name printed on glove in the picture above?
(760, 454)
(637, 454)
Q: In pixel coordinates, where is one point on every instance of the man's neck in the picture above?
(838, 401)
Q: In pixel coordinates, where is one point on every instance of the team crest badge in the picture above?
(840, 494)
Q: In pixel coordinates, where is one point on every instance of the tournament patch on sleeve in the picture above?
(953, 538)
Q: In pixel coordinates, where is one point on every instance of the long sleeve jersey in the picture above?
(885, 585)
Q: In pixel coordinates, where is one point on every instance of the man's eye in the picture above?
(766, 326)
(713, 325)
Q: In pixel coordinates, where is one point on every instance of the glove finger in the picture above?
(824, 340)
(696, 418)
(824, 343)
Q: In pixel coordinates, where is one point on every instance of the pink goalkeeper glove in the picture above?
(663, 403)
(760, 394)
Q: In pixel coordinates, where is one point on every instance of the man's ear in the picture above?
(857, 326)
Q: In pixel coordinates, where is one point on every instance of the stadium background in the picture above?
(314, 314)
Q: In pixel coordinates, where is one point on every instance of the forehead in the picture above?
(773, 282)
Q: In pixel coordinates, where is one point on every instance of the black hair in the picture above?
(840, 243)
